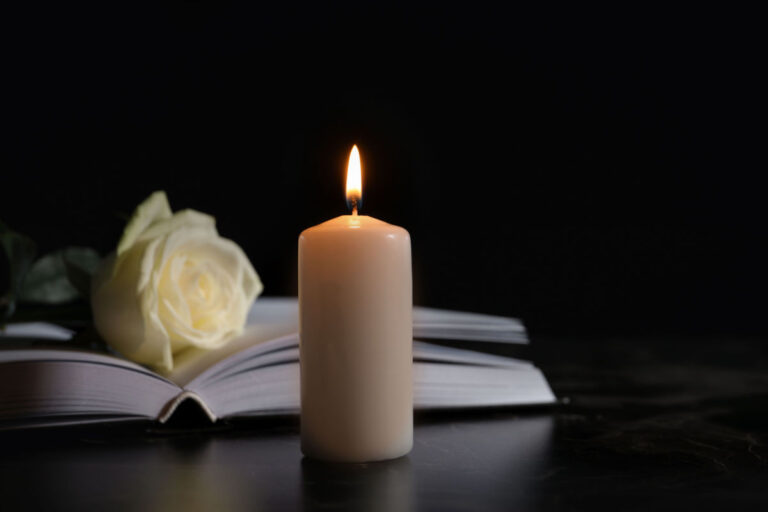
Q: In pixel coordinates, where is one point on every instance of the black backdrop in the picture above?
(584, 168)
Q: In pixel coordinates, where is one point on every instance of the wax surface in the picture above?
(356, 332)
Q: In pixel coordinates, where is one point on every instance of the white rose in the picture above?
(173, 283)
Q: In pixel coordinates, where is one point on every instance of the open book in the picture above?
(255, 374)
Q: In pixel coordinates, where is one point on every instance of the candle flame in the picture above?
(354, 181)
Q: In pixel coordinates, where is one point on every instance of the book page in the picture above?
(265, 337)
(271, 318)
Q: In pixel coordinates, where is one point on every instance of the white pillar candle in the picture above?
(356, 332)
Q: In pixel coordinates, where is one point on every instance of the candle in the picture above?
(356, 335)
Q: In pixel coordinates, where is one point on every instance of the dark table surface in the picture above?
(662, 424)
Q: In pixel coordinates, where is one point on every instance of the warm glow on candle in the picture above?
(354, 181)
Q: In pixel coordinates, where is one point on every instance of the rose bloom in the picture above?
(173, 283)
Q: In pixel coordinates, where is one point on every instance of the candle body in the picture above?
(356, 338)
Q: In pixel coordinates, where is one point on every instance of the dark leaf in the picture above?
(80, 264)
(47, 282)
(20, 252)
(61, 276)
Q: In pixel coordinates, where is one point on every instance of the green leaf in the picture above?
(60, 277)
(47, 282)
(20, 252)
(80, 264)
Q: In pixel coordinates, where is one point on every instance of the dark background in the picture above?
(588, 169)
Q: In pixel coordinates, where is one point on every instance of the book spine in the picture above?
(171, 406)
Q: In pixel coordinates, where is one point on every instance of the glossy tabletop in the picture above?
(663, 424)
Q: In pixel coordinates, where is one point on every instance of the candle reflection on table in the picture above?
(497, 457)
(376, 486)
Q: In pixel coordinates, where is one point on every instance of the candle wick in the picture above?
(353, 203)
